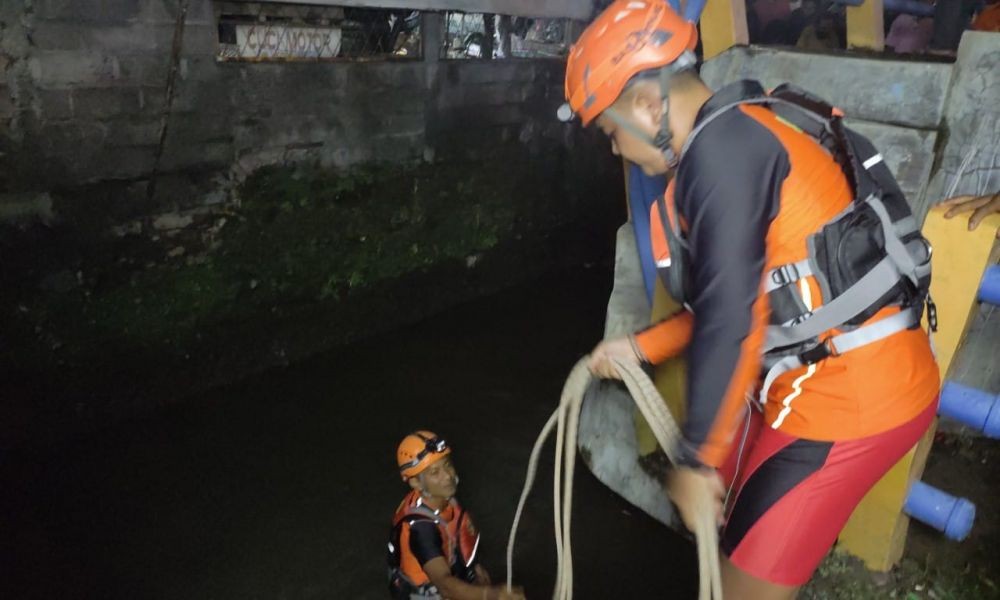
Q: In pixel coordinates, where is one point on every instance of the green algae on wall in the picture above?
(312, 235)
(294, 237)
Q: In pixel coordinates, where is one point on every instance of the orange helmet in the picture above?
(418, 451)
(629, 37)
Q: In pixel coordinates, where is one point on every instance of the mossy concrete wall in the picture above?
(295, 206)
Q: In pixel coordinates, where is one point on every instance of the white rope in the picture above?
(566, 420)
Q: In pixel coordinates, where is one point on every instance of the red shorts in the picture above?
(793, 496)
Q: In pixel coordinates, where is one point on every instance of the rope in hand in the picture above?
(566, 420)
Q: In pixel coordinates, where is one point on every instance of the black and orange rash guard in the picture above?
(749, 191)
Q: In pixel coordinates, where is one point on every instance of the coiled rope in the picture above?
(566, 420)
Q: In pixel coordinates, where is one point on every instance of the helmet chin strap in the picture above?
(662, 140)
(663, 137)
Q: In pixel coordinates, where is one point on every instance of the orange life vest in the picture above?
(459, 537)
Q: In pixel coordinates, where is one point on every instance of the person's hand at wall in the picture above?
(980, 207)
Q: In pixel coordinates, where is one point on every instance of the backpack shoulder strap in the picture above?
(805, 100)
(715, 114)
(414, 513)
(420, 513)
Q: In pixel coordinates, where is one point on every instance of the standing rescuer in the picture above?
(804, 278)
(433, 541)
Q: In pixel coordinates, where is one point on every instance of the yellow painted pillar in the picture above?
(960, 258)
(723, 25)
(865, 27)
(670, 377)
(876, 532)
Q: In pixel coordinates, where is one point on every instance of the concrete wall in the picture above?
(608, 442)
(574, 9)
(971, 121)
(925, 117)
(84, 99)
(897, 104)
(120, 295)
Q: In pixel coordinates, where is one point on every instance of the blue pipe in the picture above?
(693, 9)
(942, 511)
(978, 409)
(676, 5)
(989, 289)
(910, 7)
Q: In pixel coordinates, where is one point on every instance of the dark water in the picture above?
(282, 487)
